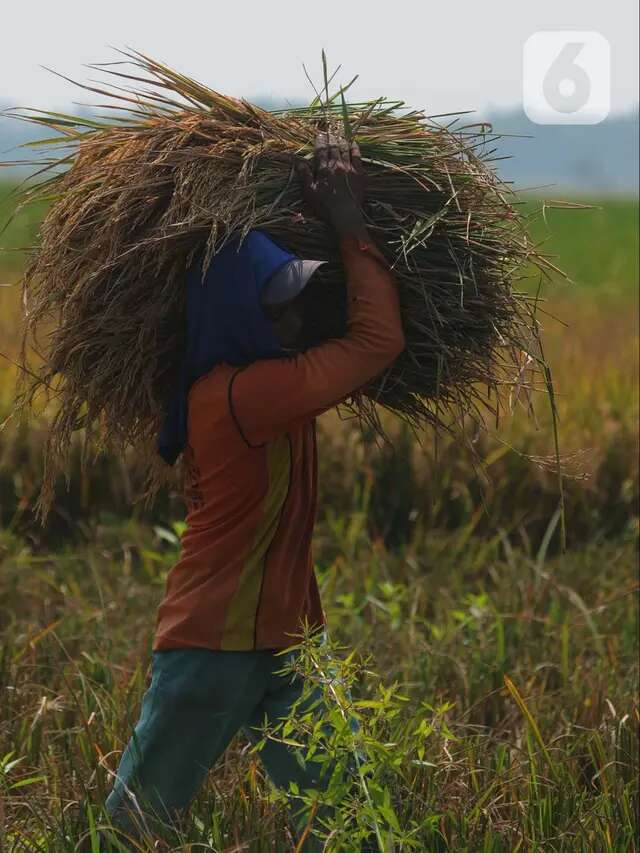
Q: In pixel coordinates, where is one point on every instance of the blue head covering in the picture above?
(225, 322)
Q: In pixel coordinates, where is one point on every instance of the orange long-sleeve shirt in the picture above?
(245, 577)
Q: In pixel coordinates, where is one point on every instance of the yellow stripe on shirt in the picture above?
(241, 615)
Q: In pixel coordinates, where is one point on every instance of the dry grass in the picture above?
(187, 169)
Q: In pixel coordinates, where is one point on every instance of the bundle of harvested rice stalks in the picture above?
(177, 167)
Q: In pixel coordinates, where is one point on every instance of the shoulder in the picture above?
(211, 421)
(208, 396)
(214, 380)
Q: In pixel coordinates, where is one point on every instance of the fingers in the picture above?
(332, 148)
(334, 156)
(356, 160)
(339, 158)
(337, 148)
(321, 151)
(331, 152)
(344, 154)
(305, 174)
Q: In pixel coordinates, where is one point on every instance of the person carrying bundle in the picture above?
(250, 390)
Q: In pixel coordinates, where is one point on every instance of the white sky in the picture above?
(436, 56)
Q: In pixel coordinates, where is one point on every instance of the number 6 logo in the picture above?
(566, 77)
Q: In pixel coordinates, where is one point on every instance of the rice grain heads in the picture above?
(177, 168)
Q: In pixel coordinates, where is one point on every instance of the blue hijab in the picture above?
(225, 322)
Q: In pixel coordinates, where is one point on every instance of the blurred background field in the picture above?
(498, 675)
(591, 340)
(449, 576)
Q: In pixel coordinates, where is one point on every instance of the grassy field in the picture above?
(495, 678)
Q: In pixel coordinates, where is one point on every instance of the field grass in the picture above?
(504, 682)
(495, 678)
(596, 246)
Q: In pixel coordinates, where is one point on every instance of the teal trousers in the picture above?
(197, 701)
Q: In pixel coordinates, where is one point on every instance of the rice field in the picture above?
(495, 677)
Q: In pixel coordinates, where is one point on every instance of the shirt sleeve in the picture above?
(271, 395)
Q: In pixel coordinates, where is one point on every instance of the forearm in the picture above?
(374, 328)
(271, 395)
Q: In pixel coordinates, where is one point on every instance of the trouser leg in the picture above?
(197, 700)
(278, 758)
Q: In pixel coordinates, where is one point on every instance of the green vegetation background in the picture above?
(500, 697)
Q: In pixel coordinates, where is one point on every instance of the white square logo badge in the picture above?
(566, 77)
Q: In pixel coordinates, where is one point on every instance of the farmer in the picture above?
(244, 418)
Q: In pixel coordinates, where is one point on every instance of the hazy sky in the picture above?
(439, 57)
